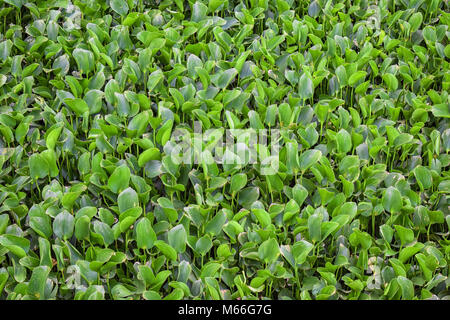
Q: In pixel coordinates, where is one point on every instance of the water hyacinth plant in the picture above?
(222, 149)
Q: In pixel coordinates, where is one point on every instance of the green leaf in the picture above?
(262, 216)
(177, 238)
(119, 179)
(301, 250)
(4, 222)
(164, 132)
(53, 136)
(314, 226)
(269, 250)
(423, 177)
(145, 235)
(84, 59)
(203, 245)
(193, 62)
(415, 21)
(176, 294)
(226, 77)
(441, 110)
(166, 249)
(3, 278)
(292, 159)
(214, 4)
(291, 210)
(138, 124)
(119, 6)
(127, 199)
(147, 155)
(154, 79)
(17, 245)
(37, 284)
(344, 141)
(238, 181)
(5, 49)
(63, 225)
(299, 193)
(214, 226)
(309, 158)
(406, 235)
(391, 81)
(407, 287)
(392, 200)
(305, 87)
(402, 139)
(38, 166)
(356, 77)
(77, 105)
(82, 228)
(104, 231)
(199, 11)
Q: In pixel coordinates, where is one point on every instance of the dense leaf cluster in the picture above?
(92, 206)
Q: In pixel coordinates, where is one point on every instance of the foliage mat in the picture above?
(94, 206)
